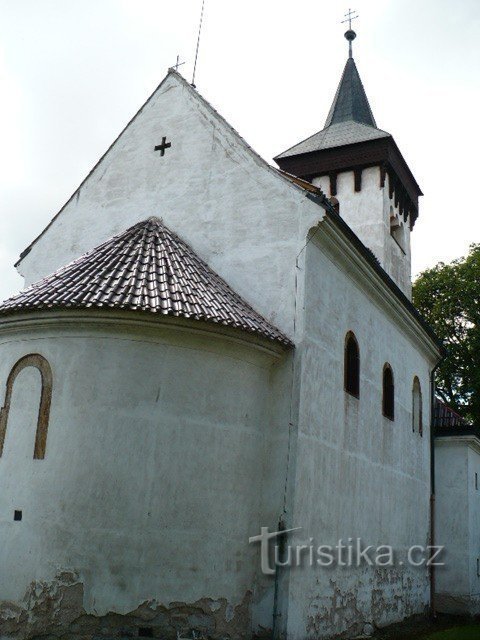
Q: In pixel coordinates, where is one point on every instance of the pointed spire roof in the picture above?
(349, 121)
(350, 103)
(147, 268)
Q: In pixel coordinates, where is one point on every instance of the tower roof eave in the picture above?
(337, 135)
(382, 152)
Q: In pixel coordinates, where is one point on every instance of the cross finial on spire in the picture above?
(350, 35)
(349, 16)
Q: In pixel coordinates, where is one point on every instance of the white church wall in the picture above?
(153, 479)
(277, 466)
(457, 524)
(359, 475)
(210, 188)
(216, 420)
(474, 523)
(367, 212)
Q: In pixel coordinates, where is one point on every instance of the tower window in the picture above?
(388, 393)
(417, 419)
(397, 230)
(352, 366)
(476, 481)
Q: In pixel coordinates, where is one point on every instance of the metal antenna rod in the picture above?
(198, 44)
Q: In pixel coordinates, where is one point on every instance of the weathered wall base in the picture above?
(458, 604)
(376, 599)
(56, 610)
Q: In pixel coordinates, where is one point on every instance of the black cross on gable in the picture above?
(163, 146)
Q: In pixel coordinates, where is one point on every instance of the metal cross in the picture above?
(163, 146)
(178, 64)
(349, 16)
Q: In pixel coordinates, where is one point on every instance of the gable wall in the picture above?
(239, 216)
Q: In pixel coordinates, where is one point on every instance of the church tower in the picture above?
(362, 170)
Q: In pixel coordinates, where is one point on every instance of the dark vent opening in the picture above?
(17, 515)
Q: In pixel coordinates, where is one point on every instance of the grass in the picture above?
(470, 632)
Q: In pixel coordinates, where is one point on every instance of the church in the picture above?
(208, 345)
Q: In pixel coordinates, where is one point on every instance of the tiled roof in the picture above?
(444, 417)
(147, 268)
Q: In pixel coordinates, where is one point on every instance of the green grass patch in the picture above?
(471, 632)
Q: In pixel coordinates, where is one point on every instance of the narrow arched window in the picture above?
(352, 366)
(388, 395)
(417, 421)
(38, 362)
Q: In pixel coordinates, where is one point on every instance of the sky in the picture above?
(73, 72)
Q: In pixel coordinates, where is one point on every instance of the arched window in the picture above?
(417, 420)
(352, 365)
(388, 395)
(39, 362)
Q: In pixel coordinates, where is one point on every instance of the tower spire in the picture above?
(350, 35)
(350, 103)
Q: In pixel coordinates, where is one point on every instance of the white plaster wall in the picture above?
(474, 521)
(157, 465)
(240, 216)
(358, 473)
(367, 212)
(458, 523)
(452, 517)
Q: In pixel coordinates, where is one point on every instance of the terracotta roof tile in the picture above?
(146, 268)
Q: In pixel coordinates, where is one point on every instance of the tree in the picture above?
(448, 296)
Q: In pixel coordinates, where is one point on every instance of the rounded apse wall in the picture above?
(150, 484)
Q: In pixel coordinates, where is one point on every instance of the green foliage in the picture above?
(448, 296)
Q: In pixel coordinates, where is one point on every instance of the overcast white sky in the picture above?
(73, 72)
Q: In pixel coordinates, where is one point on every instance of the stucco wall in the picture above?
(153, 480)
(457, 523)
(368, 212)
(359, 475)
(201, 442)
(474, 521)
